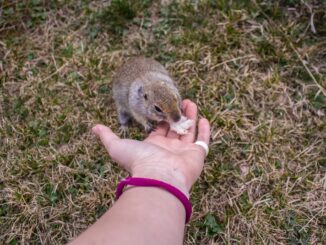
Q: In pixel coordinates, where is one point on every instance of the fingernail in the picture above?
(95, 129)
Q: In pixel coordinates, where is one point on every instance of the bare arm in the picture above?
(150, 215)
(141, 216)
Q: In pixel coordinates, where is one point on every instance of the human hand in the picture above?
(163, 155)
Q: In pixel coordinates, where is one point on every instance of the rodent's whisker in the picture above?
(143, 90)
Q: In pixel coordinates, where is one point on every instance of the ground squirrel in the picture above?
(143, 90)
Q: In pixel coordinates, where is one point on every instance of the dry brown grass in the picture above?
(257, 71)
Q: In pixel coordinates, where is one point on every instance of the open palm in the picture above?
(163, 155)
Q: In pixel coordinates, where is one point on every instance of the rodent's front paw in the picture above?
(182, 126)
(123, 130)
(149, 127)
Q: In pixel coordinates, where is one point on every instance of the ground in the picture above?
(256, 69)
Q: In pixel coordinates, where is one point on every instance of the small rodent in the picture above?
(144, 91)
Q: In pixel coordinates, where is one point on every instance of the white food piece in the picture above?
(182, 126)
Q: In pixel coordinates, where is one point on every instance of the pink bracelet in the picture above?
(156, 183)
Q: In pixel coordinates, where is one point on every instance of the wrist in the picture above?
(173, 178)
(147, 182)
(156, 205)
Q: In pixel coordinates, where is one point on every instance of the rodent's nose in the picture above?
(176, 117)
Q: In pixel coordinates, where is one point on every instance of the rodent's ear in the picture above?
(140, 91)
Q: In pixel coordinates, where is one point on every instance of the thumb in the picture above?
(106, 135)
(116, 147)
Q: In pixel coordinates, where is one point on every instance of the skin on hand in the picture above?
(150, 215)
(163, 155)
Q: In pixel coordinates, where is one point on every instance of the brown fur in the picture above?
(139, 87)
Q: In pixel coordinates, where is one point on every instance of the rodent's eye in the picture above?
(145, 96)
(158, 109)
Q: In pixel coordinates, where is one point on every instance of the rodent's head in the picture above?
(162, 102)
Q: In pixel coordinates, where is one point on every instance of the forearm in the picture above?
(150, 215)
(142, 215)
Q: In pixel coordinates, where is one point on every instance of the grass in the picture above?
(256, 69)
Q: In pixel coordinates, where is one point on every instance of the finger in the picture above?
(114, 145)
(106, 135)
(203, 131)
(162, 129)
(185, 104)
(190, 110)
